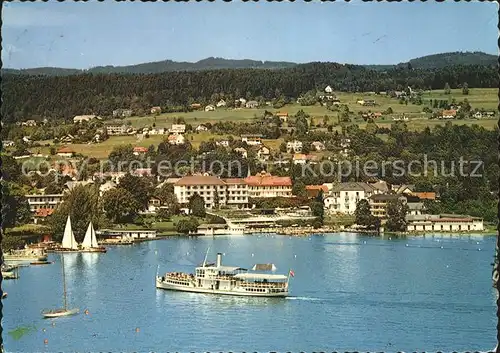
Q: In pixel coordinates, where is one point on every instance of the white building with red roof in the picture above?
(266, 185)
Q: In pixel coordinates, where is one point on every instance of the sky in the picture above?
(83, 35)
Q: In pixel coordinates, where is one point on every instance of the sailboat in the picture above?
(90, 241)
(63, 311)
(69, 243)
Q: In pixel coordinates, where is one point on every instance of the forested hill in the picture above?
(161, 66)
(456, 58)
(425, 62)
(63, 97)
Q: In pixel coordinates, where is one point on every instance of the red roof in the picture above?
(317, 187)
(65, 150)
(140, 149)
(425, 195)
(450, 112)
(281, 114)
(44, 212)
(265, 179)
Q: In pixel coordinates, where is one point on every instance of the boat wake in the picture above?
(304, 298)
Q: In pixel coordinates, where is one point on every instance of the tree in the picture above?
(465, 89)
(371, 127)
(119, 205)
(299, 189)
(197, 205)
(283, 147)
(138, 187)
(364, 216)
(15, 208)
(216, 199)
(53, 188)
(52, 150)
(187, 226)
(11, 170)
(396, 216)
(318, 210)
(447, 89)
(82, 204)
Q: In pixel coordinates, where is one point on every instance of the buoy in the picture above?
(44, 330)
(390, 238)
(441, 246)
(53, 324)
(294, 255)
(46, 341)
(137, 329)
(86, 312)
(406, 244)
(252, 254)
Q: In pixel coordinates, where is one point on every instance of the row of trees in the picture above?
(55, 97)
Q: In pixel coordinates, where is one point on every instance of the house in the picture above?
(241, 151)
(108, 185)
(344, 197)
(478, 115)
(156, 110)
(176, 139)
(209, 108)
(252, 104)
(266, 185)
(231, 192)
(178, 128)
(294, 146)
(328, 89)
(116, 129)
(367, 102)
(122, 113)
(314, 190)
(221, 103)
(143, 172)
(222, 143)
(403, 189)
(415, 208)
(65, 152)
(263, 153)
(42, 214)
(252, 140)
(300, 158)
(138, 150)
(201, 127)
(8, 143)
(318, 146)
(81, 118)
(443, 223)
(112, 176)
(449, 114)
(240, 102)
(37, 201)
(154, 204)
(29, 123)
(282, 116)
(378, 203)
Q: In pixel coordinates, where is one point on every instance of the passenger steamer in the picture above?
(227, 280)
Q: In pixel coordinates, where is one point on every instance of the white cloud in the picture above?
(22, 15)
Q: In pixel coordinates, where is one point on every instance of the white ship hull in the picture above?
(17, 258)
(237, 291)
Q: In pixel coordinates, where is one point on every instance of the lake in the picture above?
(350, 293)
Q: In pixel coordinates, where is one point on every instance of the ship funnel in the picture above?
(219, 259)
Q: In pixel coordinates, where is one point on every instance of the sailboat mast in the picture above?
(64, 283)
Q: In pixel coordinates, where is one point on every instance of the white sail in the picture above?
(90, 240)
(69, 241)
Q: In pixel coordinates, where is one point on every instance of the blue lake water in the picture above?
(350, 292)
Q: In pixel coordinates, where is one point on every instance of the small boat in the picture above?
(25, 255)
(54, 313)
(89, 243)
(40, 263)
(4, 295)
(10, 275)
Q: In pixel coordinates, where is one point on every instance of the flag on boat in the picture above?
(292, 273)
